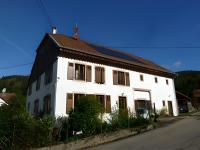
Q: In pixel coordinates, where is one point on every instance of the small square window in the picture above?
(167, 82)
(163, 103)
(141, 78)
(156, 80)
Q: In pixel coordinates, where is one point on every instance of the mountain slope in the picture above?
(187, 81)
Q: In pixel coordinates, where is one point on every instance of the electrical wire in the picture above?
(16, 66)
(43, 8)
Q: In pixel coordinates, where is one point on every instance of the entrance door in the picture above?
(170, 108)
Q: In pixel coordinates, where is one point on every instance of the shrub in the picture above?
(137, 121)
(18, 130)
(85, 116)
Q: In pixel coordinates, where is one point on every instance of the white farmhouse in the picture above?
(66, 68)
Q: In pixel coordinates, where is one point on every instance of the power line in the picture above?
(43, 8)
(163, 47)
(11, 43)
(15, 66)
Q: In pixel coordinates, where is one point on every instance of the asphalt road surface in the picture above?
(181, 135)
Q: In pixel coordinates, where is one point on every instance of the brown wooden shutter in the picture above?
(69, 103)
(103, 75)
(88, 73)
(70, 71)
(108, 104)
(127, 79)
(115, 77)
(97, 74)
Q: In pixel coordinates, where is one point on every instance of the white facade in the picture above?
(138, 90)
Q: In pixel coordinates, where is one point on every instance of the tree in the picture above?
(85, 116)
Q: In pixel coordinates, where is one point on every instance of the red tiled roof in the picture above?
(7, 96)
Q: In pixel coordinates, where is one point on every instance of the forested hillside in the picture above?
(187, 81)
(16, 84)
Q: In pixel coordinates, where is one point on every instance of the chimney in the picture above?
(75, 32)
(54, 30)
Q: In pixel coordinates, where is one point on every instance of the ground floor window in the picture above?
(72, 99)
(47, 104)
(142, 107)
(36, 107)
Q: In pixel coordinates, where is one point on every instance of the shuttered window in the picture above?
(121, 78)
(47, 104)
(36, 107)
(99, 75)
(69, 102)
(70, 71)
(76, 98)
(88, 73)
(127, 79)
(108, 104)
(115, 77)
(101, 100)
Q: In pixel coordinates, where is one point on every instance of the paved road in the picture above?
(181, 135)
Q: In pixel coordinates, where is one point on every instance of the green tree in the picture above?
(18, 130)
(85, 116)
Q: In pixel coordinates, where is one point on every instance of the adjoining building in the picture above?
(66, 68)
(196, 99)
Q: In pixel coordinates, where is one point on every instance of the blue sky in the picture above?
(166, 32)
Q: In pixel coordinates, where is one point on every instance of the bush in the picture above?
(137, 121)
(18, 130)
(85, 116)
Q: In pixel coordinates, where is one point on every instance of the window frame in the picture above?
(121, 78)
(38, 83)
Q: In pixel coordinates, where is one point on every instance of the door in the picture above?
(170, 108)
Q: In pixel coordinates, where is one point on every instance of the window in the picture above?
(156, 80)
(141, 78)
(167, 82)
(48, 75)
(121, 78)
(69, 102)
(163, 103)
(101, 100)
(47, 104)
(79, 72)
(122, 103)
(36, 107)
(99, 75)
(108, 104)
(88, 73)
(30, 89)
(28, 106)
(70, 71)
(38, 83)
(82, 72)
(76, 98)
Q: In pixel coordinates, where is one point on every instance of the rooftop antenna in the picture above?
(75, 32)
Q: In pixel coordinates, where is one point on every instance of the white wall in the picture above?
(159, 91)
(43, 91)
